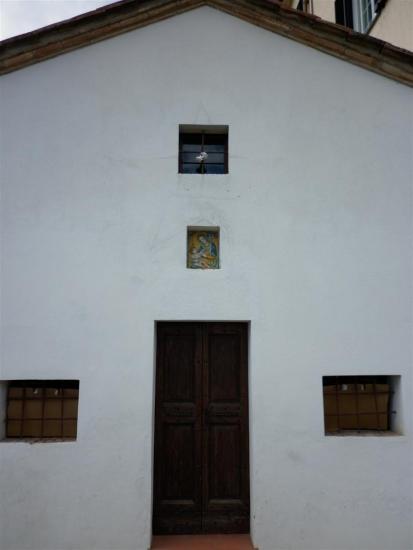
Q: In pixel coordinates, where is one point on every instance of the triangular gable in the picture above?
(127, 15)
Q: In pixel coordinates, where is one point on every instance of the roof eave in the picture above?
(114, 19)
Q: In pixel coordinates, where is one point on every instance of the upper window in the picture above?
(357, 14)
(41, 409)
(203, 149)
(366, 14)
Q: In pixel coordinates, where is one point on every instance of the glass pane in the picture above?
(365, 388)
(214, 169)
(215, 148)
(187, 139)
(348, 422)
(15, 409)
(215, 139)
(189, 157)
(69, 392)
(15, 392)
(382, 402)
(191, 168)
(69, 428)
(368, 421)
(53, 392)
(33, 408)
(52, 428)
(346, 388)
(366, 403)
(330, 404)
(32, 428)
(53, 408)
(331, 423)
(14, 428)
(34, 393)
(346, 403)
(383, 421)
(185, 147)
(70, 408)
(367, 13)
(215, 158)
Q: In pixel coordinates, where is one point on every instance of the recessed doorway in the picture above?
(201, 462)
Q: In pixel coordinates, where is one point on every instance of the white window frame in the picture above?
(361, 7)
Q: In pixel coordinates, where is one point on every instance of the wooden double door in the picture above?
(201, 466)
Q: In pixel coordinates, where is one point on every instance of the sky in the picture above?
(20, 16)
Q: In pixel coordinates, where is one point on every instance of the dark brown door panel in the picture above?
(201, 429)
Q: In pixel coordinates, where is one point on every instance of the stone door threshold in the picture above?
(202, 542)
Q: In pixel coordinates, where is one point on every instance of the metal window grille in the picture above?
(356, 403)
(42, 409)
(191, 145)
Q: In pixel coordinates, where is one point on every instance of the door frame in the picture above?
(154, 373)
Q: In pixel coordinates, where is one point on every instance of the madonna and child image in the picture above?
(203, 250)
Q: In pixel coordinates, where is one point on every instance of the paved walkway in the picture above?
(202, 542)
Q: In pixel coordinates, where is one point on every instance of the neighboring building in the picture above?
(388, 20)
(206, 238)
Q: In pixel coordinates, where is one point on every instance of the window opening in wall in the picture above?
(357, 403)
(203, 149)
(42, 409)
(366, 14)
(203, 247)
(344, 13)
(304, 5)
(357, 14)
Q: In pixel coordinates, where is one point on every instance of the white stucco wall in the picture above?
(316, 239)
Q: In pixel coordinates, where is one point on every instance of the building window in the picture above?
(357, 14)
(366, 14)
(203, 248)
(302, 5)
(357, 403)
(344, 13)
(203, 149)
(42, 409)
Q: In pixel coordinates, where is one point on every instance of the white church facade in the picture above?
(206, 281)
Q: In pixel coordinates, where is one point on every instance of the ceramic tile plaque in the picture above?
(203, 249)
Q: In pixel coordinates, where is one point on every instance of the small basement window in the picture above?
(358, 403)
(203, 149)
(42, 409)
